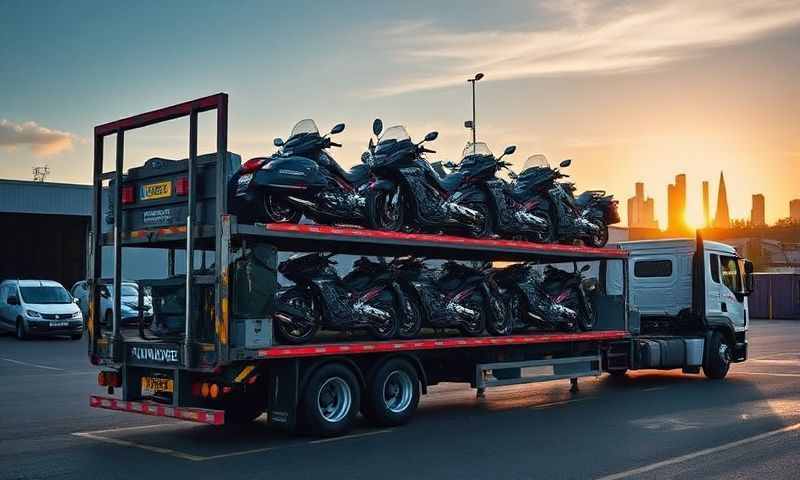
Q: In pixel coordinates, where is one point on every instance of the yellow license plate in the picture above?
(155, 190)
(155, 384)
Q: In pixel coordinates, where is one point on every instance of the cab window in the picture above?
(652, 268)
(714, 261)
(729, 270)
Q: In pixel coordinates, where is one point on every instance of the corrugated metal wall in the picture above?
(45, 198)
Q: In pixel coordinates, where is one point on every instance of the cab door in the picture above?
(731, 292)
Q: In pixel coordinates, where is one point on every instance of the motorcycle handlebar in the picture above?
(425, 150)
(334, 144)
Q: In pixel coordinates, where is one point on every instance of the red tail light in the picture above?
(127, 194)
(101, 379)
(252, 165)
(182, 186)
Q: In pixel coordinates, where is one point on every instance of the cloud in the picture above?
(42, 141)
(588, 37)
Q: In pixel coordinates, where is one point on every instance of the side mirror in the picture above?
(77, 300)
(338, 128)
(566, 163)
(586, 268)
(12, 300)
(749, 279)
(278, 142)
(431, 136)
(377, 127)
(510, 150)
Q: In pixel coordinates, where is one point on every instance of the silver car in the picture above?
(129, 299)
(39, 307)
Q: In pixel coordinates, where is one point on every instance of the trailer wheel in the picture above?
(717, 359)
(392, 393)
(331, 399)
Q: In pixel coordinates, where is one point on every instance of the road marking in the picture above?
(149, 448)
(123, 429)
(31, 364)
(248, 452)
(561, 402)
(769, 374)
(654, 389)
(776, 362)
(348, 437)
(773, 355)
(700, 453)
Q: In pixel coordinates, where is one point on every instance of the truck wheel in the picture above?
(331, 399)
(22, 334)
(718, 357)
(392, 394)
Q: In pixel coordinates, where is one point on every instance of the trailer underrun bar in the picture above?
(200, 415)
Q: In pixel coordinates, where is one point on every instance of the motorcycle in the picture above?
(300, 179)
(454, 296)
(573, 291)
(481, 190)
(536, 188)
(527, 303)
(366, 298)
(407, 193)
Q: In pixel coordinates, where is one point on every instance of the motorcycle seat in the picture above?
(356, 175)
(451, 182)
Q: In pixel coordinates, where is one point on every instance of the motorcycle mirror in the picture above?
(338, 128)
(510, 150)
(278, 142)
(377, 127)
(566, 163)
(585, 268)
(431, 136)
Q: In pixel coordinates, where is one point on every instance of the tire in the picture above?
(498, 327)
(486, 229)
(600, 239)
(298, 334)
(277, 210)
(392, 394)
(20, 331)
(385, 210)
(717, 359)
(388, 330)
(586, 319)
(476, 327)
(411, 322)
(330, 401)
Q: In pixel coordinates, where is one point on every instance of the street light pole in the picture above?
(473, 124)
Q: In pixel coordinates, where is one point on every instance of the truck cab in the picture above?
(691, 286)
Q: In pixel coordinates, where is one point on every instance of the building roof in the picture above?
(20, 196)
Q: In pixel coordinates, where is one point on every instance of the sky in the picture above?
(629, 90)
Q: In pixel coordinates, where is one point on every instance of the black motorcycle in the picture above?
(407, 193)
(528, 305)
(537, 190)
(481, 190)
(454, 296)
(573, 291)
(302, 178)
(367, 298)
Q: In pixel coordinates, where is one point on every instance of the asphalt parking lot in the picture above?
(650, 425)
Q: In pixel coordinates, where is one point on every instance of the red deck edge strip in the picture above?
(445, 239)
(200, 415)
(156, 231)
(433, 344)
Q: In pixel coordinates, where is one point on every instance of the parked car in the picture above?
(39, 307)
(129, 303)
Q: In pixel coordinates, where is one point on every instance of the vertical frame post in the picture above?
(118, 223)
(189, 325)
(96, 242)
(222, 233)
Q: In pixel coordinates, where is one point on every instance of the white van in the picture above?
(39, 307)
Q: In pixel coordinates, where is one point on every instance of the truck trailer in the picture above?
(211, 355)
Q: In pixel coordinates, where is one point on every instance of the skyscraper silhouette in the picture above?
(757, 217)
(722, 218)
(676, 205)
(706, 206)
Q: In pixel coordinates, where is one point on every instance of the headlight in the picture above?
(76, 315)
(33, 314)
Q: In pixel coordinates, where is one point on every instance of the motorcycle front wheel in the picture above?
(599, 239)
(277, 209)
(500, 322)
(485, 228)
(411, 322)
(587, 317)
(385, 209)
(386, 329)
(475, 326)
(295, 332)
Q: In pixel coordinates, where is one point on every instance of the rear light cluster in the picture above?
(181, 189)
(182, 186)
(252, 165)
(109, 379)
(209, 390)
(127, 194)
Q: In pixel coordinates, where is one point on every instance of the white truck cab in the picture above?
(685, 287)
